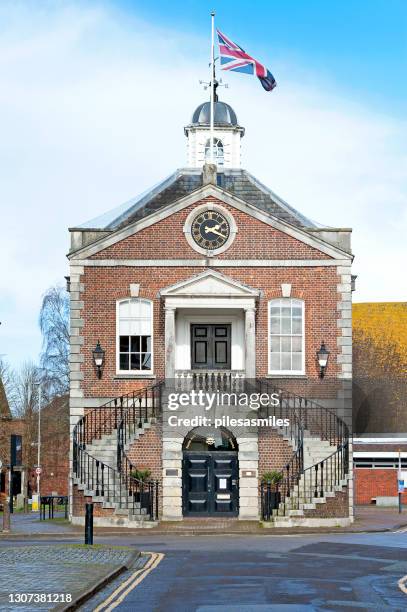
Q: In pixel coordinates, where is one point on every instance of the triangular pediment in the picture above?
(209, 284)
(307, 237)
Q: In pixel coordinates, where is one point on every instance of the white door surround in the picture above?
(217, 295)
(183, 321)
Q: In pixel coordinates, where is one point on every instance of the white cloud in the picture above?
(93, 106)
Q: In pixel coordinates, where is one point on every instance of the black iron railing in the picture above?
(143, 492)
(300, 486)
(105, 419)
(98, 477)
(53, 503)
(117, 485)
(312, 417)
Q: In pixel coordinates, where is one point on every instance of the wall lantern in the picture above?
(98, 358)
(322, 355)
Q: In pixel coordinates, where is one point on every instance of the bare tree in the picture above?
(7, 377)
(54, 325)
(25, 390)
(22, 393)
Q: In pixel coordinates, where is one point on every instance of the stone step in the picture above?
(317, 444)
(326, 452)
(295, 513)
(125, 511)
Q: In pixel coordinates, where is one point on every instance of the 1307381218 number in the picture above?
(40, 597)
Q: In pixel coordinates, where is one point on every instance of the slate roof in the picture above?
(184, 181)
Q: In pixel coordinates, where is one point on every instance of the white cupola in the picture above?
(227, 136)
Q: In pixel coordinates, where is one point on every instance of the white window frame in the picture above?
(219, 159)
(134, 372)
(285, 373)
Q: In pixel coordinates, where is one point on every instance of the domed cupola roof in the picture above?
(224, 114)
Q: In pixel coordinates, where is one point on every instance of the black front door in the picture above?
(210, 346)
(210, 483)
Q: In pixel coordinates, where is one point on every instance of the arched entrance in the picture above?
(210, 473)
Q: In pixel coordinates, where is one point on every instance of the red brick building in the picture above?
(12, 427)
(54, 449)
(210, 281)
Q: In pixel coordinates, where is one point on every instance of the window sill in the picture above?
(298, 376)
(133, 376)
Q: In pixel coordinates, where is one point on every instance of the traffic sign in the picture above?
(38, 470)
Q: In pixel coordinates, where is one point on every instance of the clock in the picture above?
(210, 229)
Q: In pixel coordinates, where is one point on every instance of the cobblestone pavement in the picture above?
(56, 569)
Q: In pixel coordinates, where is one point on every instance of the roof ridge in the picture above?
(287, 207)
(114, 218)
(127, 207)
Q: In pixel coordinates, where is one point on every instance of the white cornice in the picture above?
(223, 196)
(210, 283)
(210, 263)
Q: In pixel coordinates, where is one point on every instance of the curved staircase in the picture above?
(313, 486)
(102, 470)
(314, 482)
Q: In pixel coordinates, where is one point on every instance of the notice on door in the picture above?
(223, 483)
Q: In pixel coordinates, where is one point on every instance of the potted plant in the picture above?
(273, 495)
(141, 494)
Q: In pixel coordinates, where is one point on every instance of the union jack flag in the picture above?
(234, 58)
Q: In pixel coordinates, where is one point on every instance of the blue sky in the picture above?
(95, 95)
(355, 44)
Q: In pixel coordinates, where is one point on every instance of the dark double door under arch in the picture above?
(210, 483)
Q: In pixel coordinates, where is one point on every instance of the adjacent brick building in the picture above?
(9, 427)
(208, 277)
(54, 449)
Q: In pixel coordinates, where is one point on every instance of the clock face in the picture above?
(210, 229)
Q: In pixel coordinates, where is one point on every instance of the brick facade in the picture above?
(254, 240)
(105, 277)
(334, 507)
(54, 447)
(274, 451)
(105, 285)
(79, 500)
(372, 483)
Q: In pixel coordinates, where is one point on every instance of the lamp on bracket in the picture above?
(322, 356)
(98, 358)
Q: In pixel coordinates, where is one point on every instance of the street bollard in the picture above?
(89, 524)
(6, 517)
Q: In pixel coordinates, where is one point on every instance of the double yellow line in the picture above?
(124, 589)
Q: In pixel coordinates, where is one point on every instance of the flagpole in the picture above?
(212, 112)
